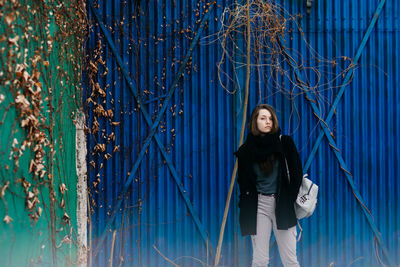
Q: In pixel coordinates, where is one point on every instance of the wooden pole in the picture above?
(228, 200)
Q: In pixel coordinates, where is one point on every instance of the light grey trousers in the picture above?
(286, 239)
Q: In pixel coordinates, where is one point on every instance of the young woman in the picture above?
(266, 195)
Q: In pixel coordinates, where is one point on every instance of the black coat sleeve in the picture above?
(245, 173)
(295, 165)
(242, 173)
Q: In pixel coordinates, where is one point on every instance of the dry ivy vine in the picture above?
(40, 55)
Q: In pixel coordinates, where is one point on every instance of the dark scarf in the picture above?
(260, 147)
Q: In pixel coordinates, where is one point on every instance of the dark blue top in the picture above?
(266, 184)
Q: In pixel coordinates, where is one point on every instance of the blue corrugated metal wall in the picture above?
(201, 126)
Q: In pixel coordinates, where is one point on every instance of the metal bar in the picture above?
(338, 155)
(154, 99)
(348, 76)
(148, 120)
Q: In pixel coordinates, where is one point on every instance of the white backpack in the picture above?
(306, 198)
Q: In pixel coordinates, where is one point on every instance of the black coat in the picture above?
(287, 192)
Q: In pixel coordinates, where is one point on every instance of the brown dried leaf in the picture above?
(107, 156)
(62, 187)
(93, 66)
(95, 126)
(3, 189)
(9, 18)
(110, 113)
(19, 69)
(7, 219)
(36, 191)
(22, 101)
(34, 217)
(100, 111)
(25, 184)
(66, 218)
(29, 204)
(30, 195)
(115, 123)
(31, 166)
(25, 76)
(100, 148)
(35, 200)
(30, 121)
(14, 143)
(39, 167)
(111, 136)
(89, 100)
(99, 90)
(39, 211)
(13, 41)
(35, 59)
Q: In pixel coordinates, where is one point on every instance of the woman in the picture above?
(266, 195)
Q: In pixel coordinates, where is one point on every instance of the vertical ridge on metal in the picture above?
(338, 155)
(348, 76)
(155, 124)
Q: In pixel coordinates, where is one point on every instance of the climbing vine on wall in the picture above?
(40, 91)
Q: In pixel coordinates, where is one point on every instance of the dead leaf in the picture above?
(66, 218)
(9, 18)
(111, 136)
(110, 113)
(35, 200)
(13, 41)
(39, 211)
(62, 188)
(100, 111)
(19, 69)
(100, 148)
(7, 219)
(39, 167)
(30, 121)
(93, 66)
(99, 90)
(36, 191)
(34, 217)
(30, 195)
(95, 126)
(31, 165)
(25, 184)
(29, 204)
(21, 99)
(3, 189)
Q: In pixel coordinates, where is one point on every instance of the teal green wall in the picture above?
(47, 38)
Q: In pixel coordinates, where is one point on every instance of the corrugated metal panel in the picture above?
(40, 55)
(201, 125)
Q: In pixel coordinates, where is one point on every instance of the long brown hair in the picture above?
(267, 165)
(254, 115)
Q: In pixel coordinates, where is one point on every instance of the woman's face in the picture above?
(264, 121)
